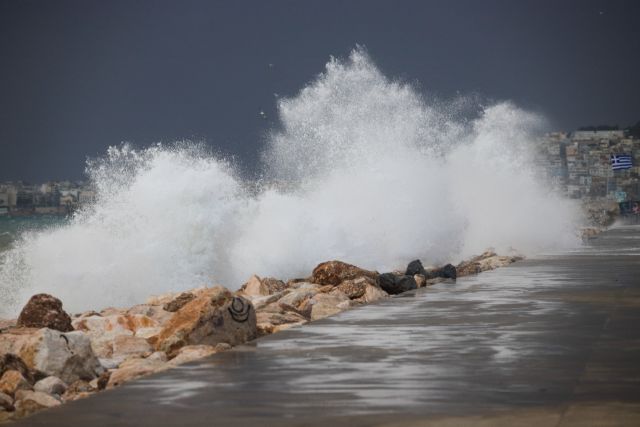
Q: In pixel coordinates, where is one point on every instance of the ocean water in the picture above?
(12, 228)
(361, 167)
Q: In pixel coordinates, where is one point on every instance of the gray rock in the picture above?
(67, 356)
(51, 385)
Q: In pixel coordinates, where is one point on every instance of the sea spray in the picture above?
(361, 168)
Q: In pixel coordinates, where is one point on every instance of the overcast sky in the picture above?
(78, 76)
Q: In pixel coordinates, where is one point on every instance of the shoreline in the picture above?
(93, 351)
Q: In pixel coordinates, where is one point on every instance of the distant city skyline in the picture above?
(79, 76)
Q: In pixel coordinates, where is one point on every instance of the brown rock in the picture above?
(294, 300)
(134, 368)
(489, 260)
(158, 355)
(263, 301)
(254, 287)
(78, 390)
(276, 319)
(336, 272)
(371, 294)
(12, 381)
(214, 316)
(12, 340)
(324, 305)
(154, 312)
(178, 302)
(103, 330)
(103, 380)
(274, 285)
(28, 402)
(190, 353)
(257, 287)
(126, 345)
(45, 311)
(355, 288)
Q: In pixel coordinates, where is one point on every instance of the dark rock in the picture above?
(449, 272)
(336, 272)
(178, 302)
(103, 380)
(11, 362)
(394, 284)
(415, 267)
(45, 311)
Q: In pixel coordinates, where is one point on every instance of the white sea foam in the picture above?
(362, 169)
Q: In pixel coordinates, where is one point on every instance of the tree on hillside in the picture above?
(599, 127)
(633, 131)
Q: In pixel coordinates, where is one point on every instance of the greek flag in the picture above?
(621, 161)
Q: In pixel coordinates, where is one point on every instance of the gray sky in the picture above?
(78, 76)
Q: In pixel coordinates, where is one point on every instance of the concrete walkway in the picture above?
(553, 341)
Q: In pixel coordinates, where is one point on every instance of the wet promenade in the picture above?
(549, 341)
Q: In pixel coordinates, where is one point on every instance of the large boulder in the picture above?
(295, 301)
(396, 284)
(215, 316)
(415, 267)
(45, 311)
(324, 305)
(104, 330)
(489, 260)
(336, 272)
(67, 356)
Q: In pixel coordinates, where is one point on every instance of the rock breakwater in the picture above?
(48, 357)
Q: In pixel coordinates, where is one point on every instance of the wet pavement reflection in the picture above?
(547, 332)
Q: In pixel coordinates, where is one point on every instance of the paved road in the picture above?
(552, 341)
